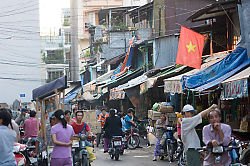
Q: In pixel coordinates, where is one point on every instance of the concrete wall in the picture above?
(165, 51)
(20, 60)
(244, 17)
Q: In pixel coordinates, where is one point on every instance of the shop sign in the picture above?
(172, 87)
(116, 94)
(143, 88)
(235, 89)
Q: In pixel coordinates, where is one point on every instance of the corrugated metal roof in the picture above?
(110, 53)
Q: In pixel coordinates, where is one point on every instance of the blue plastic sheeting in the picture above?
(117, 70)
(224, 77)
(226, 65)
(72, 95)
(130, 56)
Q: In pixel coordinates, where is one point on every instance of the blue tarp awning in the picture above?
(224, 77)
(216, 72)
(72, 95)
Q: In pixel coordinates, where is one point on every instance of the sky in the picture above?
(50, 14)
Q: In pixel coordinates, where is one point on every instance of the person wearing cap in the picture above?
(21, 118)
(189, 136)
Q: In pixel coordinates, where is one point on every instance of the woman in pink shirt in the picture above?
(61, 137)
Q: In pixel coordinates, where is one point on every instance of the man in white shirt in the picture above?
(189, 136)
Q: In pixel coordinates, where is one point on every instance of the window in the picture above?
(235, 40)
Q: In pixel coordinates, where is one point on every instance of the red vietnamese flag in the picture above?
(190, 48)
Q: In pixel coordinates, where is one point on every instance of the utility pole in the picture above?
(74, 57)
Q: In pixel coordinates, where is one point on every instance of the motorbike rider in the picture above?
(79, 128)
(7, 139)
(161, 125)
(21, 117)
(215, 134)
(102, 118)
(189, 136)
(129, 119)
(30, 127)
(112, 127)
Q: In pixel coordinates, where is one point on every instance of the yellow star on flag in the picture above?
(191, 47)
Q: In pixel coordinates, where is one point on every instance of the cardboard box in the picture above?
(156, 115)
(165, 109)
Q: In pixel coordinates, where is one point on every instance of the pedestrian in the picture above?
(7, 139)
(189, 136)
(161, 125)
(61, 134)
(41, 142)
(97, 111)
(215, 134)
(21, 117)
(68, 117)
(13, 126)
(129, 119)
(112, 127)
(123, 122)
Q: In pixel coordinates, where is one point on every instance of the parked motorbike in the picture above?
(132, 138)
(180, 154)
(25, 151)
(141, 125)
(115, 147)
(244, 152)
(170, 144)
(18, 153)
(43, 156)
(242, 140)
(29, 151)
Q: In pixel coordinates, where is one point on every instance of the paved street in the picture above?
(138, 157)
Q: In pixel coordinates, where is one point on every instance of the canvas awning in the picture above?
(174, 84)
(134, 82)
(236, 86)
(168, 73)
(49, 88)
(241, 75)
